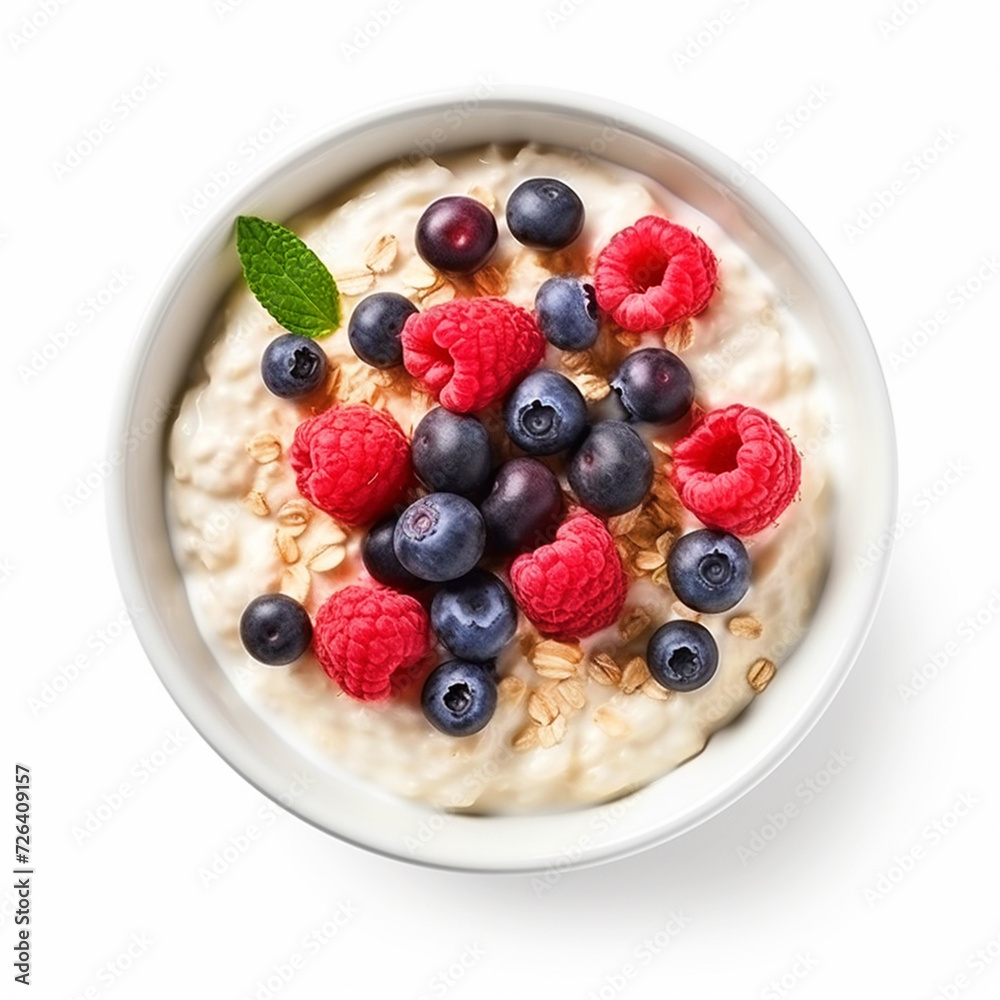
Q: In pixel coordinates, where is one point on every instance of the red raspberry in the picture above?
(469, 352)
(576, 585)
(737, 470)
(654, 274)
(362, 635)
(351, 461)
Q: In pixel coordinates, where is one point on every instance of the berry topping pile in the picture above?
(495, 514)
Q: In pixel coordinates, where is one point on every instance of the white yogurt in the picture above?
(747, 348)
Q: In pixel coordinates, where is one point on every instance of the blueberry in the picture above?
(459, 698)
(439, 537)
(524, 505)
(566, 313)
(451, 452)
(709, 570)
(375, 326)
(293, 366)
(546, 413)
(545, 214)
(275, 629)
(682, 655)
(379, 557)
(654, 385)
(456, 234)
(611, 471)
(475, 617)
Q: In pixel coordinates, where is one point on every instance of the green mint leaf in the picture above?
(289, 280)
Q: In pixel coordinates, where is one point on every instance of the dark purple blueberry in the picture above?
(456, 234)
(546, 413)
(709, 570)
(275, 629)
(439, 537)
(475, 616)
(293, 366)
(566, 313)
(451, 452)
(544, 213)
(524, 506)
(375, 328)
(379, 557)
(459, 698)
(682, 655)
(654, 386)
(612, 470)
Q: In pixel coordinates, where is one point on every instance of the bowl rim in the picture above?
(537, 101)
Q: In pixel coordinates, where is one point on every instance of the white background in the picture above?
(802, 915)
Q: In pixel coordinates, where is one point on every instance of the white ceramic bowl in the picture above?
(737, 757)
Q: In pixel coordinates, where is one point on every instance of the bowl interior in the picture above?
(738, 756)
